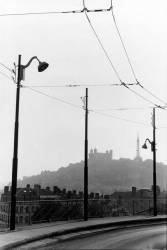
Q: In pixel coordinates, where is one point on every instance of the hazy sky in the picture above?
(51, 133)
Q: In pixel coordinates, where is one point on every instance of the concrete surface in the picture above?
(11, 239)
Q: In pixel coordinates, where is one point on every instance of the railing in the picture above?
(31, 212)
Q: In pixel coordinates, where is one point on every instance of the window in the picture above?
(21, 219)
(21, 209)
(27, 209)
(26, 219)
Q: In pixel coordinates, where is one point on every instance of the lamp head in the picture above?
(144, 146)
(42, 66)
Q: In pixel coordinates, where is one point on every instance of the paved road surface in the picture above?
(143, 238)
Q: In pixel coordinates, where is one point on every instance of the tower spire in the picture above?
(138, 157)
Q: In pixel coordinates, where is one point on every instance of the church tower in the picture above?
(138, 157)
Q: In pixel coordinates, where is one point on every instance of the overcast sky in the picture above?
(51, 133)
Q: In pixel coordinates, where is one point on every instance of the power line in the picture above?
(149, 92)
(40, 13)
(85, 10)
(123, 45)
(77, 106)
(93, 85)
(52, 97)
(136, 93)
(91, 110)
(55, 12)
(119, 118)
(108, 57)
(101, 45)
(129, 61)
(10, 78)
(77, 85)
(3, 65)
(124, 109)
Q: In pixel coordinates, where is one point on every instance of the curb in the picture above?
(87, 229)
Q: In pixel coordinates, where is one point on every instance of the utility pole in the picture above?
(15, 153)
(86, 160)
(154, 166)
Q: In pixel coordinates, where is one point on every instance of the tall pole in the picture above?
(86, 160)
(15, 152)
(154, 167)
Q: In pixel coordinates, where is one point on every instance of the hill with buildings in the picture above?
(105, 174)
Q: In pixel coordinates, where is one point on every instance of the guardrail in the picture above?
(40, 211)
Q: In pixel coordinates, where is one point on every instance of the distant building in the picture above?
(28, 201)
(94, 155)
(35, 203)
(144, 193)
(24, 207)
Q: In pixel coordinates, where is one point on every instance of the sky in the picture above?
(51, 131)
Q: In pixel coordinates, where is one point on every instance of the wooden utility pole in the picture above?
(154, 166)
(86, 160)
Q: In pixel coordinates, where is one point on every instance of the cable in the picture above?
(101, 45)
(124, 109)
(5, 75)
(104, 50)
(77, 85)
(119, 118)
(6, 67)
(149, 92)
(54, 12)
(95, 85)
(85, 10)
(129, 61)
(52, 97)
(40, 13)
(123, 45)
(136, 93)
(77, 106)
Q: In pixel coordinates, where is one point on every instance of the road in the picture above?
(143, 238)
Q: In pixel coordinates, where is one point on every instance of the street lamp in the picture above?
(153, 149)
(145, 144)
(41, 67)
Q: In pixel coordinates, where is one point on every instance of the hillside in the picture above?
(104, 177)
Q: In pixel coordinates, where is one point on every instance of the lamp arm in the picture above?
(149, 141)
(34, 57)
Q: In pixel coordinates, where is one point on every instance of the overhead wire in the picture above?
(124, 108)
(141, 96)
(79, 107)
(77, 85)
(5, 75)
(85, 10)
(119, 118)
(102, 46)
(40, 13)
(55, 12)
(123, 45)
(113, 67)
(3, 65)
(149, 92)
(129, 60)
(52, 97)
